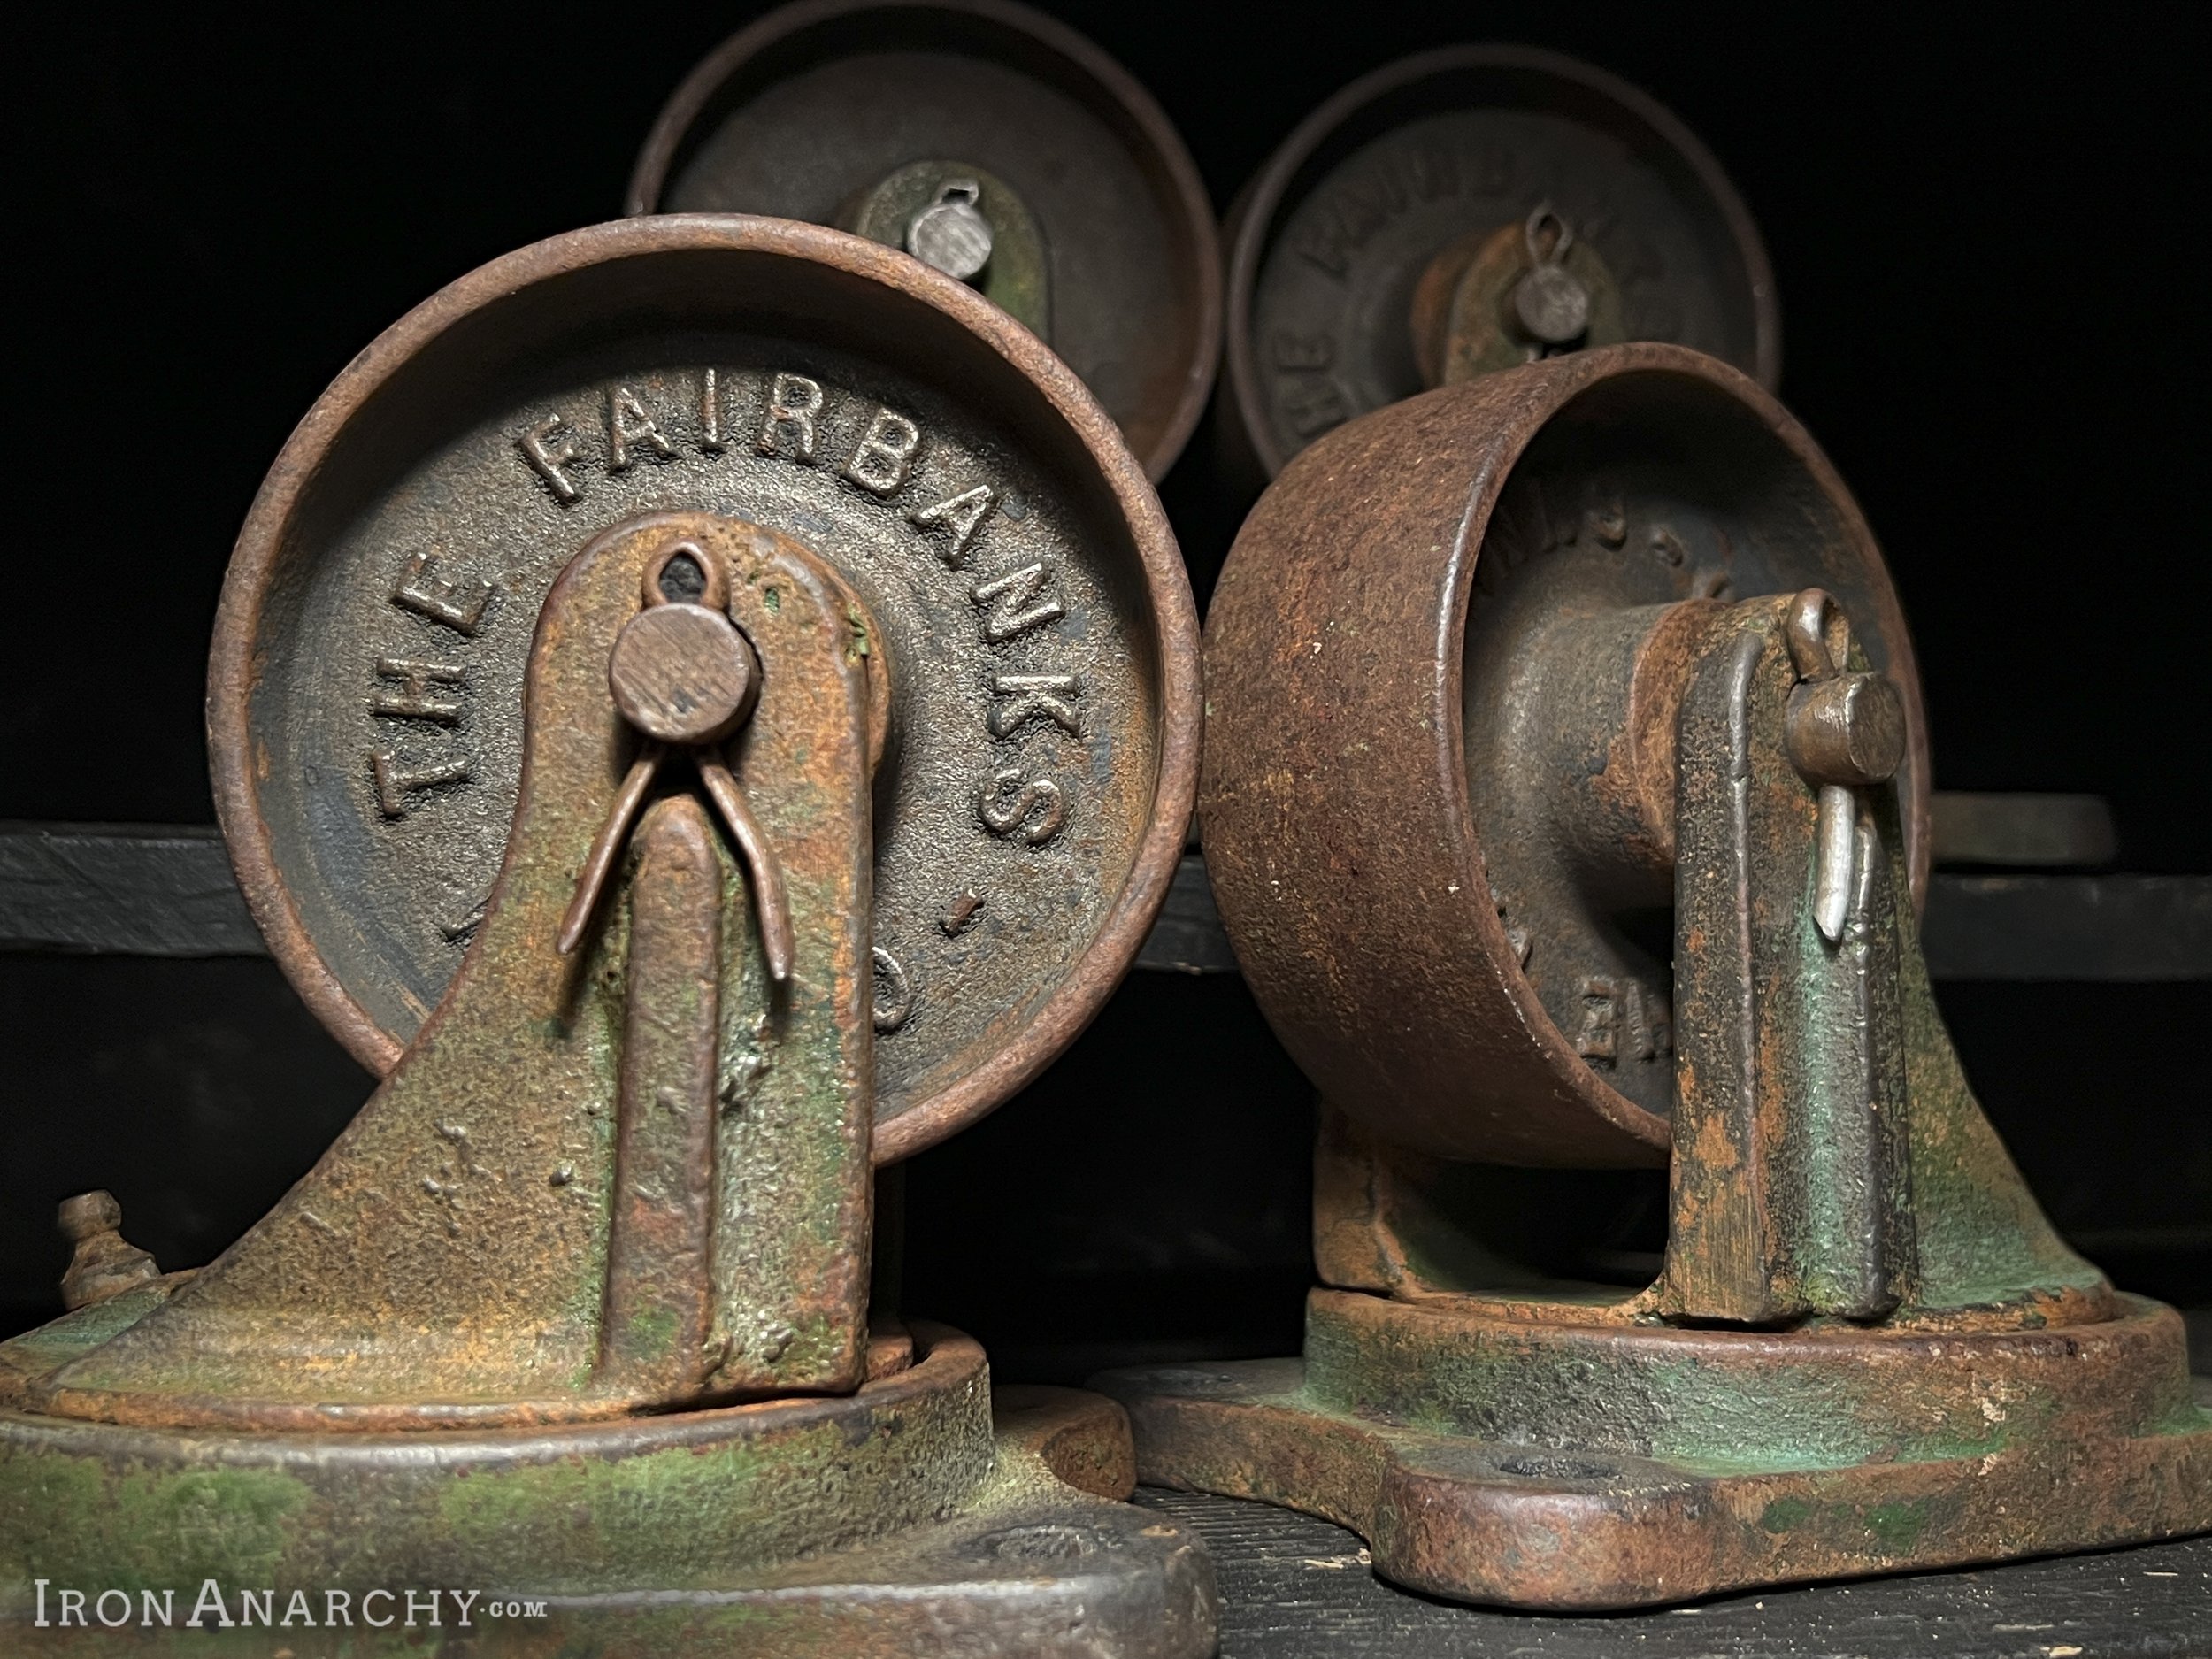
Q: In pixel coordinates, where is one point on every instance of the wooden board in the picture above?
(128, 890)
(1293, 1587)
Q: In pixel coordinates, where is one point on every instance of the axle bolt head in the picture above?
(951, 234)
(88, 1215)
(1846, 729)
(683, 673)
(1552, 306)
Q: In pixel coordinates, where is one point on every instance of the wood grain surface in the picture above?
(1294, 1588)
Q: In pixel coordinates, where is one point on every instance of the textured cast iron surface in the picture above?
(1364, 845)
(1039, 636)
(809, 110)
(1330, 241)
(894, 1522)
(1295, 1587)
(1793, 1455)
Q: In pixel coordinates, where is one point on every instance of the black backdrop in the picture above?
(1983, 227)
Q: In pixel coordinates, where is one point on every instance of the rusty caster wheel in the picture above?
(1464, 211)
(1565, 791)
(365, 698)
(992, 144)
(724, 697)
(1518, 948)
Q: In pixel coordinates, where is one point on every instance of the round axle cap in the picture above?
(1015, 589)
(993, 144)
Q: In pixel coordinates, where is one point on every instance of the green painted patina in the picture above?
(84, 1522)
(454, 1252)
(1864, 1326)
(1016, 277)
(679, 1503)
(847, 1526)
(1786, 1515)
(1897, 1528)
(1841, 1205)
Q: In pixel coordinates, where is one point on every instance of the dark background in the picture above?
(1982, 224)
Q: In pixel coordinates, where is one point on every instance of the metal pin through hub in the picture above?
(683, 673)
(951, 234)
(1845, 731)
(1550, 303)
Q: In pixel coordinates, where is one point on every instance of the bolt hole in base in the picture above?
(1537, 1467)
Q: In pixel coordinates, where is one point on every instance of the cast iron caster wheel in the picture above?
(366, 701)
(994, 145)
(1464, 211)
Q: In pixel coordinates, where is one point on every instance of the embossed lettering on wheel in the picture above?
(366, 700)
(1377, 206)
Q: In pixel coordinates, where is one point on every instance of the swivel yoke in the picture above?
(1564, 798)
(730, 599)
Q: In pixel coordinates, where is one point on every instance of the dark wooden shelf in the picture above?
(2070, 928)
(1293, 1587)
(166, 891)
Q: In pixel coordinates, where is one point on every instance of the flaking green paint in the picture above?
(1897, 1526)
(1786, 1515)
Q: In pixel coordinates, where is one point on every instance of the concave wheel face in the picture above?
(1337, 232)
(1409, 703)
(367, 690)
(810, 113)
(1640, 492)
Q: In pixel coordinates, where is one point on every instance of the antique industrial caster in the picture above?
(989, 142)
(1466, 210)
(708, 706)
(1563, 792)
